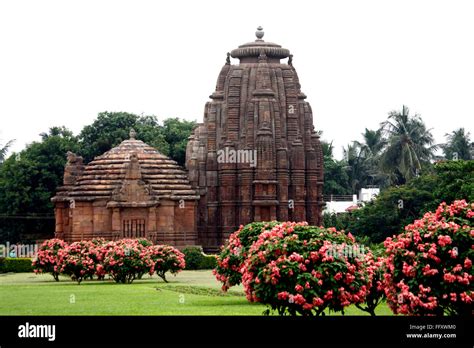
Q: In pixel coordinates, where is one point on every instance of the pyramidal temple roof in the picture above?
(105, 175)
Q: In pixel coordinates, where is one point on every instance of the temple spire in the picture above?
(132, 134)
(259, 33)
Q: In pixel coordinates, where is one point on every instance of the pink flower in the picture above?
(299, 299)
(317, 301)
(450, 278)
(408, 270)
(444, 240)
(328, 295)
(349, 278)
(427, 271)
(466, 298)
(467, 263)
(453, 253)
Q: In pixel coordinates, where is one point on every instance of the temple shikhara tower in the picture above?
(257, 108)
(256, 157)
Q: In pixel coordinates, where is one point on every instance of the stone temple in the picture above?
(257, 108)
(131, 191)
(256, 157)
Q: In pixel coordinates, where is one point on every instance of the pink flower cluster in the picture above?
(128, 259)
(49, 258)
(123, 260)
(233, 254)
(78, 260)
(290, 269)
(429, 265)
(166, 259)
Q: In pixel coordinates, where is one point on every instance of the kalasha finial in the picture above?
(132, 133)
(259, 33)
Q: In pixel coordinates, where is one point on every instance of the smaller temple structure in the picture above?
(131, 191)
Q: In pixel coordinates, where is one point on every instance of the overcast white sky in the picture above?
(62, 62)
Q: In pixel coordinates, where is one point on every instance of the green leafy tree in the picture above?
(336, 180)
(410, 146)
(389, 212)
(371, 150)
(176, 133)
(373, 143)
(29, 179)
(4, 150)
(357, 166)
(458, 145)
(455, 181)
(111, 128)
(395, 207)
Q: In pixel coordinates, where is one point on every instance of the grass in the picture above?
(189, 293)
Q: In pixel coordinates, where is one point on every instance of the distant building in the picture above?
(336, 204)
(368, 194)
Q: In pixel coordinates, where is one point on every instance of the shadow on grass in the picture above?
(200, 290)
(109, 281)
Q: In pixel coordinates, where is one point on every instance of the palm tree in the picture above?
(356, 167)
(4, 150)
(328, 149)
(410, 146)
(458, 145)
(335, 174)
(371, 148)
(373, 143)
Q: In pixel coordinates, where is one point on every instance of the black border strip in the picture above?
(174, 331)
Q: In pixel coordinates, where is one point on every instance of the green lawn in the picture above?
(189, 293)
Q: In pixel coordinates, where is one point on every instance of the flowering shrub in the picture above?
(429, 265)
(124, 260)
(128, 259)
(376, 291)
(48, 259)
(300, 269)
(234, 253)
(99, 247)
(146, 243)
(166, 259)
(78, 260)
